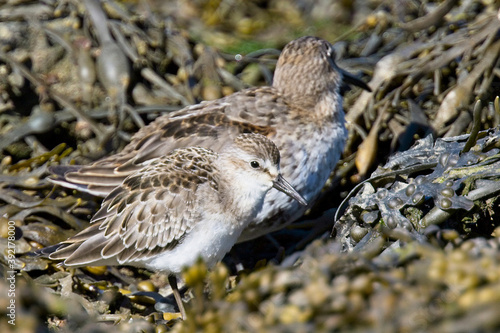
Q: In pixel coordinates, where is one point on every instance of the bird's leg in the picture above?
(172, 280)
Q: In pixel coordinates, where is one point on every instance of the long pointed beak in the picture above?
(351, 79)
(282, 185)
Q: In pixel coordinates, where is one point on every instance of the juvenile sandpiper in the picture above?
(191, 203)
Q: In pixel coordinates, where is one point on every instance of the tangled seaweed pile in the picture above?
(416, 245)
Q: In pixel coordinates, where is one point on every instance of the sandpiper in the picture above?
(301, 112)
(191, 203)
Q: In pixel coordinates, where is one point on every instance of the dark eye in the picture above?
(255, 164)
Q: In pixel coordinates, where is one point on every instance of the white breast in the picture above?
(209, 240)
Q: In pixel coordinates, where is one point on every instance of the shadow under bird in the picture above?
(301, 112)
(191, 203)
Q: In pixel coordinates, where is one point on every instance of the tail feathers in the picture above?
(71, 176)
(59, 251)
(62, 170)
(64, 251)
(76, 254)
(86, 250)
(46, 251)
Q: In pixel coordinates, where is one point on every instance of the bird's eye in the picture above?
(254, 164)
(330, 53)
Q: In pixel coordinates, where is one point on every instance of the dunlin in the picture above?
(191, 203)
(301, 112)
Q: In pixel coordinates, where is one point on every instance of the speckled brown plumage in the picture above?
(191, 203)
(157, 206)
(301, 112)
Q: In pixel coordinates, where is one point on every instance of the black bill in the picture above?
(282, 185)
(351, 79)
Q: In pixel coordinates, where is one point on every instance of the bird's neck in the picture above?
(240, 195)
(309, 90)
(322, 108)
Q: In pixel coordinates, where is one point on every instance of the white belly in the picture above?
(208, 240)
